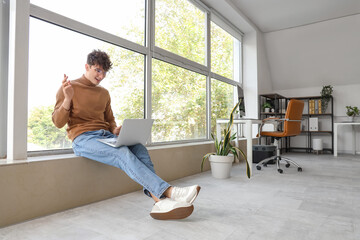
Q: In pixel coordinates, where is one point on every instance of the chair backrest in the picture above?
(294, 111)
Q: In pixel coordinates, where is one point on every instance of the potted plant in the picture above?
(352, 112)
(266, 106)
(221, 160)
(326, 94)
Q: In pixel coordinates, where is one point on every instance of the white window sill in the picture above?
(6, 162)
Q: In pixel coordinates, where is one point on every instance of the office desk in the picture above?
(336, 125)
(248, 134)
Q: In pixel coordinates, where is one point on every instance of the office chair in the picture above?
(291, 127)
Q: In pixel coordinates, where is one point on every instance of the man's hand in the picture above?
(68, 92)
(117, 130)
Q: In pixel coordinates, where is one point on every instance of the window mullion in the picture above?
(149, 36)
(4, 46)
(208, 77)
(18, 80)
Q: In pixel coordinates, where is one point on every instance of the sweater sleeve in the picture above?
(109, 116)
(60, 115)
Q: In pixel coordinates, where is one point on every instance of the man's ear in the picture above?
(87, 67)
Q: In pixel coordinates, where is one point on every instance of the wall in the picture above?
(314, 55)
(303, 59)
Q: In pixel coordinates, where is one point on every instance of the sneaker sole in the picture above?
(197, 193)
(178, 213)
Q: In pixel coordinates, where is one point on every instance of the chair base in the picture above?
(277, 160)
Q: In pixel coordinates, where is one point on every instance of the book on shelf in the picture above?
(319, 106)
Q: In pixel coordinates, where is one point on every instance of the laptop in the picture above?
(133, 131)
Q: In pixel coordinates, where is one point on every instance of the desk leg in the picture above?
(335, 139)
(354, 139)
(248, 130)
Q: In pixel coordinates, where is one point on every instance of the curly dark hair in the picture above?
(98, 57)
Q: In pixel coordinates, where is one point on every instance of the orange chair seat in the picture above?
(273, 134)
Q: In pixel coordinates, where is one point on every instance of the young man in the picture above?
(86, 108)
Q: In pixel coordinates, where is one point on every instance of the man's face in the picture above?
(95, 73)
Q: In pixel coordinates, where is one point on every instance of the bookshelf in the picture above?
(302, 142)
(325, 131)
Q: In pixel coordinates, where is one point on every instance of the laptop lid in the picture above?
(134, 131)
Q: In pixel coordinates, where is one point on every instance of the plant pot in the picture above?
(267, 110)
(221, 166)
(350, 118)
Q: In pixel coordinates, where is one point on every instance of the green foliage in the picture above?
(266, 105)
(352, 111)
(42, 131)
(326, 92)
(225, 147)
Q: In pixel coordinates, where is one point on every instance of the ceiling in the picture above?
(274, 15)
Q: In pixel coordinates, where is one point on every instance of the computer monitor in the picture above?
(241, 98)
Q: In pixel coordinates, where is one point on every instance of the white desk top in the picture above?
(347, 123)
(239, 120)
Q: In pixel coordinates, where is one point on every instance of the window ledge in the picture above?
(6, 162)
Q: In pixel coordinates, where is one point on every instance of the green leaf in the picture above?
(204, 158)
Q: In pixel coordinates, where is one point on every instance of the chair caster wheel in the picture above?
(299, 169)
(287, 165)
(280, 170)
(258, 167)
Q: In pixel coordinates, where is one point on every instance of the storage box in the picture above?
(261, 152)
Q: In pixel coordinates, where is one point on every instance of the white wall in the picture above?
(314, 55)
(304, 59)
(264, 77)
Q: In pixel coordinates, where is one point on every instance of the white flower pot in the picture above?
(221, 166)
(350, 118)
(267, 110)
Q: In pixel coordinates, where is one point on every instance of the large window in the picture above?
(161, 67)
(60, 52)
(179, 103)
(180, 29)
(222, 101)
(123, 18)
(223, 51)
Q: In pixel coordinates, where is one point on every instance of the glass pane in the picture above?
(123, 18)
(178, 103)
(222, 101)
(60, 52)
(180, 29)
(222, 52)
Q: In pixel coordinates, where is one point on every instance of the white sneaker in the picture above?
(185, 194)
(169, 209)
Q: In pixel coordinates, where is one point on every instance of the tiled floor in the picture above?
(322, 202)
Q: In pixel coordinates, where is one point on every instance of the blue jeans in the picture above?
(133, 160)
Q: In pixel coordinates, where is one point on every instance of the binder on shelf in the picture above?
(319, 106)
(311, 106)
(313, 124)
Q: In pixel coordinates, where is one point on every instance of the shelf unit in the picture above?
(279, 105)
(326, 126)
(326, 122)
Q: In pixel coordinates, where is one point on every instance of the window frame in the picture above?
(4, 43)
(20, 14)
